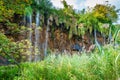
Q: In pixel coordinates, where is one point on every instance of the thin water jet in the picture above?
(30, 37)
(46, 39)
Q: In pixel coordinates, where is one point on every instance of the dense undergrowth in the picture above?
(95, 66)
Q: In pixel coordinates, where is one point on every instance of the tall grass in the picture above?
(77, 67)
(8, 72)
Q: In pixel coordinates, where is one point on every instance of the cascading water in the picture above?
(37, 31)
(34, 34)
(37, 37)
(46, 39)
(30, 37)
(37, 34)
(28, 23)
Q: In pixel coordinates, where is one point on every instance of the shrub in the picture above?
(13, 50)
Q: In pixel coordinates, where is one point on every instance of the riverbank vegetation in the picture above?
(41, 42)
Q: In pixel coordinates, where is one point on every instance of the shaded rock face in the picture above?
(3, 61)
(76, 47)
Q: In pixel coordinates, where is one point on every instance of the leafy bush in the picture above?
(9, 8)
(13, 50)
(4, 42)
(7, 48)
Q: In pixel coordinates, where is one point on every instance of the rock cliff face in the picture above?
(58, 38)
(58, 42)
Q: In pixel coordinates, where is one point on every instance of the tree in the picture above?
(9, 8)
(90, 23)
(106, 14)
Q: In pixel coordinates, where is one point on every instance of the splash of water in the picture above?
(37, 37)
(46, 39)
(30, 36)
(28, 23)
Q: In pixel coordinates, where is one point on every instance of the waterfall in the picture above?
(30, 37)
(96, 42)
(34, 34)
(37, 37)
(28, 23)
(36, 41)
(46, 39)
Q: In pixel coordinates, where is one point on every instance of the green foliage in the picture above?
(68, 16)
(76, 67)
(8, 72)
(42, 6)
(7, 48)
(88, 21)
(116, 34)
(4, 42)
(103, 28)
(28, 11)
(99, 18)
(8, 8)
(13, 50)
(105, 13)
